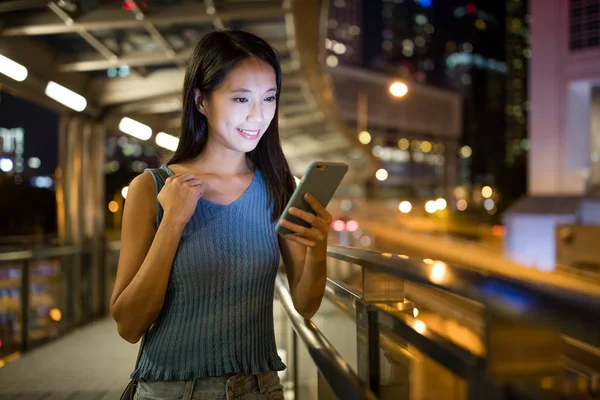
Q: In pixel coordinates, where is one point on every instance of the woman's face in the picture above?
(241, 109)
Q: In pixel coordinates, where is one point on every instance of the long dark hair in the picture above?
(214, 56)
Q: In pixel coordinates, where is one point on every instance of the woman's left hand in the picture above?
(320, 223)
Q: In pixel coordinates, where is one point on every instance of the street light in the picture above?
(398, 89)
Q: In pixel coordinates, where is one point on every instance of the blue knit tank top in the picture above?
(217, 316)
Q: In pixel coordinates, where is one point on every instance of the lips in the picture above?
(248, 133)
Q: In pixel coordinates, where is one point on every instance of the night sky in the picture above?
(40, 126)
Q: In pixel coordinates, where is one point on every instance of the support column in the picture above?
(594, 143)
(80, 214)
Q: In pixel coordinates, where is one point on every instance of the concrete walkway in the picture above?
(91, 363)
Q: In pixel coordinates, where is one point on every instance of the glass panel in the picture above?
(47, 304)
(10, 308)
(407, 373)
(338, 323)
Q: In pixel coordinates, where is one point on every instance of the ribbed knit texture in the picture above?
(218, 312)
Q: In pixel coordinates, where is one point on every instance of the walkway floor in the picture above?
(91, 363)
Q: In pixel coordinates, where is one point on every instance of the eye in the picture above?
(240, 100)
(270, 98)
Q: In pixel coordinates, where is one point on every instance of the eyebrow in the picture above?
(244, 90)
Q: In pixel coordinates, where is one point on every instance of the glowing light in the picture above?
(338, 225)
(471, 8)
(34, 162)
(489, 204)
(166, 141)
(405, 207)
(364, 137)
(365, 241)
(430, 207)
(420, 326)
(415, 312)
(351, 226)
(441, 204)
(6, 164)
(55, 314)
(486, 192)
(426, 147)
(381, 174)
(124, 191)
(332, 61)
(461, 205)
(398, 89)
(498, 230)
(465, 152)
(113, 206)
(415, 145)
(135, 128)
(438, 272)
(403, 144)
(65, 96)
(12, 69)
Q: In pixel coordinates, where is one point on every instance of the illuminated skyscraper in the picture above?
(344, 39)
(517, 57)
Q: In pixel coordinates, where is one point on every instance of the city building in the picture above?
(415, 134)
(564, 131)
(518, 54)
(344, 40)
(456, 45)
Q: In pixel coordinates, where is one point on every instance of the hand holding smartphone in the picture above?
(321, 180)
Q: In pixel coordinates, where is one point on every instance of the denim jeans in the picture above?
(263, 386)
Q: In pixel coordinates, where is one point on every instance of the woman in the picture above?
(199, 252)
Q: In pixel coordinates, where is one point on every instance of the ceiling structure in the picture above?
(127, 58)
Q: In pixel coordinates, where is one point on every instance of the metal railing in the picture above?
(338, 374)
(527, 329)
(375, 331)
(46, 292)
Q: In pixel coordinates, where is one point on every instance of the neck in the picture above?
(219, 160)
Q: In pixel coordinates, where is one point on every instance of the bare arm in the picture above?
(146, 256)
(305, 258)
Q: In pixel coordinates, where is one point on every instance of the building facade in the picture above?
(564, 131)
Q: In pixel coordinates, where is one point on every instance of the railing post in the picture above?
(376, 288)
(367, 330)
(295, 375)
(25, 307)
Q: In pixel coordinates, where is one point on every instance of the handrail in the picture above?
(44, 252)
(572, 313)
(336, 371)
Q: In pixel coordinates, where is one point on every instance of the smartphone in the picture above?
(321, 180)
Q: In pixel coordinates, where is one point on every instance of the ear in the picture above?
(200, 101)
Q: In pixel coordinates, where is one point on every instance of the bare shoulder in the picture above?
(141, 196)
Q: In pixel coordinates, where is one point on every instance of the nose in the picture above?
(255, 112)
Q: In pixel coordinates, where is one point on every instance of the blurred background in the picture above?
(471, 127)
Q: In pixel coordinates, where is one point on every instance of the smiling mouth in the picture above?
(249, 132)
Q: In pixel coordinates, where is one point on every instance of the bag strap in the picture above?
(137, 361)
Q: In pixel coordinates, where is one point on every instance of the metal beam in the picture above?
(165, 82)
(115, 18)
(95, 62)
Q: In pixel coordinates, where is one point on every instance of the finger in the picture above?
(318, 207)
(185, 177)
(310, 233)
(194, 182)
(300, 239)
(304, 215)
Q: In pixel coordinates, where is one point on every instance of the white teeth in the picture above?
(248, 132)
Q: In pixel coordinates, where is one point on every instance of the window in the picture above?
(584, 24)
